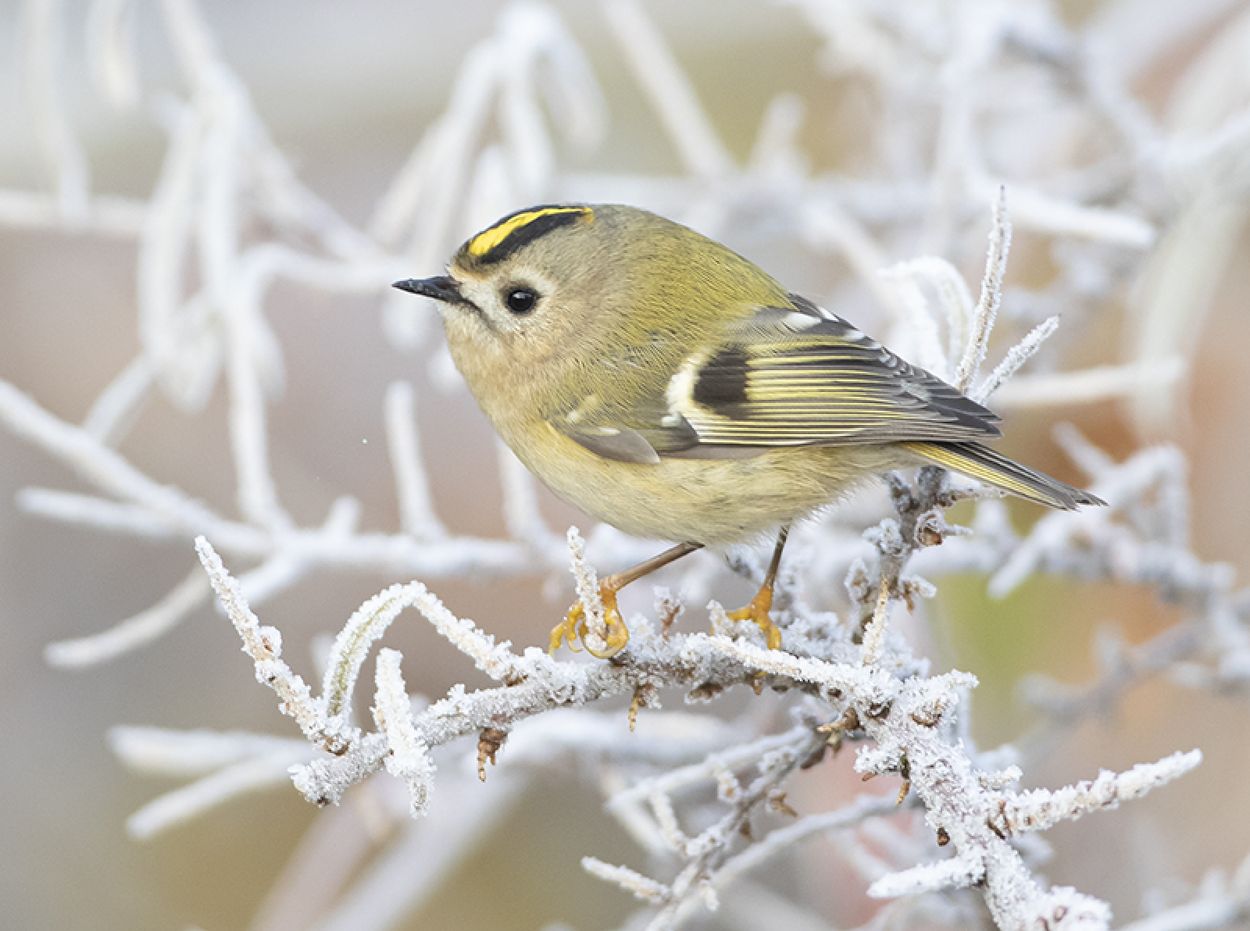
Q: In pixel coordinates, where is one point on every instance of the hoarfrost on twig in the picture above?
(409, 759)
(976, 339)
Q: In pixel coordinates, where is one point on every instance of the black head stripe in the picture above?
(521, 228)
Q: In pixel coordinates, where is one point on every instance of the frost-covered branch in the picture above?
(908, 718)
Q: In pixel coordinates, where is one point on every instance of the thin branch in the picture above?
(986, 312)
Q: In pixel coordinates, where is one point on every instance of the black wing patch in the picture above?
(795, 376)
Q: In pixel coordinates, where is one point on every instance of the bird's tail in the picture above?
(982, 463)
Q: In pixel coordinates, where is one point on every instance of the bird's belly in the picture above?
(710, 501)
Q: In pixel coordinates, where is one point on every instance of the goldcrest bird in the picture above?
(667, 386)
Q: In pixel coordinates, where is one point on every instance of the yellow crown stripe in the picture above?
(488, 239)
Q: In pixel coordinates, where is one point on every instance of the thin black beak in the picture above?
(440, 288)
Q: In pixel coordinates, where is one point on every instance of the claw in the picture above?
(567, 629)
(615, 635)
(573, 628)
(757, 611)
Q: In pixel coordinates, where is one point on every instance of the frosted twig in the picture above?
(257, 492)
(955, 873)
(369, 623)
(118, 405)
(694, 885)
(110, 472)
(641, 887)
(776, 147)
(675, 779)
(870, 684)
(160, 751)
(134, 632)
(103, 215)
(1037, 212)
(1068, 704)
(1040, 809)
(351, 647)
(673, 739)
(416, 514)
(185, 353)
(412, 868)
(495, 659)
(947, 784)
(986, 312)
(1127, 484)
(409, 759)
(874, 631)
(42, 49)
(916, 327)
(1019, 354)
(675, 839)
(1088, 457)
(1087, 386)
(264, 646)
(828, 226)
(955, 300)
(520, 503)
(587, 585)
(1223, 901)
(110, 44)
(198, 798)
(91, 513)
(281, 570)
(783, 840)
(668, 88)
(904, 718)
(154, 509)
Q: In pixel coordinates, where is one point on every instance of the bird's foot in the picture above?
(573, 629)
(757, 610)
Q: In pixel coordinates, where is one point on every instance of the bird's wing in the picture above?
(786, 376)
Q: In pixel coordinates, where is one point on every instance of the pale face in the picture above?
(512, 311)
(511, 301)
(512, 336)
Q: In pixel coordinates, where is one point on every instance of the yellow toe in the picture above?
(757, 611)
(568, 629)
(616, 634)
(572, 630)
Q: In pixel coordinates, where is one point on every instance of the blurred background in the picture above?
(345, 94)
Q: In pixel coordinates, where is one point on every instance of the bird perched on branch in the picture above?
(669, 387)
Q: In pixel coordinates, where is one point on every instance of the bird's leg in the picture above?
(758, 608)
(573, 627)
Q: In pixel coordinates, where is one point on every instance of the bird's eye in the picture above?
(520, 300)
